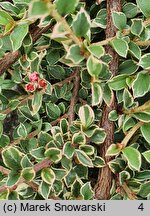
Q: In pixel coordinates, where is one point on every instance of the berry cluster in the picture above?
(36, 83)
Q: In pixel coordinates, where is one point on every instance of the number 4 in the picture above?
(141, 207)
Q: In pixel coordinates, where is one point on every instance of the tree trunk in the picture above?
(104, 182)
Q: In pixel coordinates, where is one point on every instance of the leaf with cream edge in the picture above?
(53, 154)
(146, 154)
(119, 20)
(83, 158)
(97, 94)
(5, 18)
(144, 7)
(113, 150)
(65, 7)
(94, 66)
(145, 130)
(81, 23)
(86, 191)
(138, 89)
(12, 158)
(86, 116)
(48, 175)
(36, 102)
(28, 173)
(74, 54)
(145, 61)
(96, 50)
(18, 34)
(133, 158)
(120, 46)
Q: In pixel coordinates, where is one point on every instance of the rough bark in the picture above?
(104, 182)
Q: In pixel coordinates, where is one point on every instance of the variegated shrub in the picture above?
(75, 99)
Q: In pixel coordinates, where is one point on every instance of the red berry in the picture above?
(34, 77)
(42, 83)
(30, 87)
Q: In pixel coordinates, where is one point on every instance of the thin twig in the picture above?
(130, 133)
(74, 99)
(131, 195)
(141, 108)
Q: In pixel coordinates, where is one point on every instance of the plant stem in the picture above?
(141, 108)
(104, 182)
(71, 113)
(129, 192)
(130, 133)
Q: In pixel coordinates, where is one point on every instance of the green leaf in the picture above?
(12, 158)
(5, 18)
(128, 67)
(123, 177)
(18, 34)
(94, 66)
(13, 178)
(52, 110)
(130, 10)
(44, 189)
(48, 175)
(56, 71)
(59, 173)
(79, 138)
(65, 7)
(145, 130)
(22, 1)
(36, 102)
(120, 46)
(119, 20)
(1, 128)
(145, 61)
(39, 8)
(98, 162)
(86, 191)
(98, 136)
(97, 94)
(144, 190)
(134, 50)
(88, 149)
(113, 150)
(143, 175)
(53, 154)
(146, 154)
(28, 174)
(68, 150)
(22, 131)
(118, 82)
(101, 19)
(13, 195)
(4, 140)
(10, 7)
(2, 116)
(142, 116)
(96, 50)
(81, 23)
(137, 26)
(86, 115)
(64, 125)
(4, 195)
(133, 157)
(83, 158)
(127, 99)
(144, 7)
(38, 153)
(138, 89)
(74, 54)
(113, 116)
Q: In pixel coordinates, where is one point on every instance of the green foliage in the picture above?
(62, 99)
